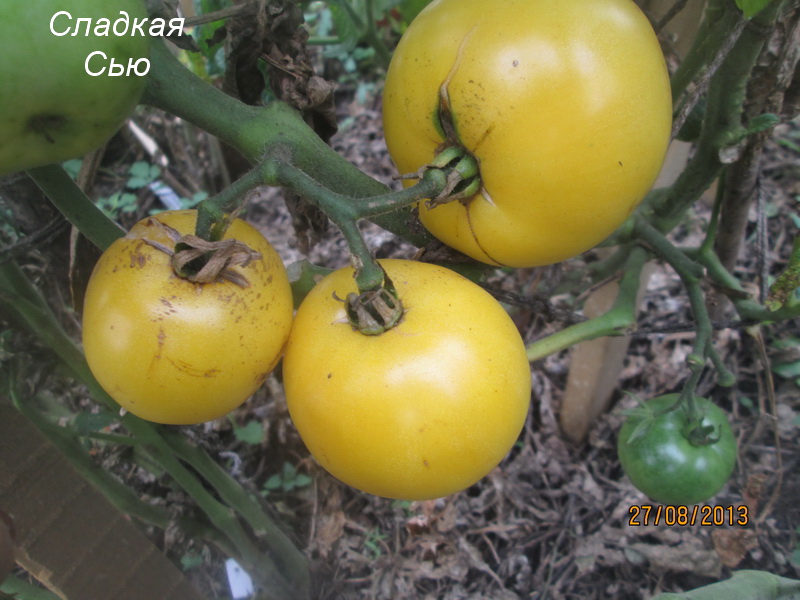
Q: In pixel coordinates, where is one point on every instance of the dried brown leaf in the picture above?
(732, 545)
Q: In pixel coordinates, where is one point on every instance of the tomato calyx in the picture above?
(702, 435)
(201, 261)
(374, 312)
(463, 178)
(694, 431)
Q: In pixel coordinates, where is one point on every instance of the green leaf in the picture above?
(274, 482)
(302, 480)
(751, 8)
(787, 370)
(763, 123)
(139, 169)
(142, 174)
(252, 433)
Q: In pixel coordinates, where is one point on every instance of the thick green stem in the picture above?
(722, 126)
(617, 321)
(276, 130)
(76, 206)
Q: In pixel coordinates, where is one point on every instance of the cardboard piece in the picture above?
(68, 535)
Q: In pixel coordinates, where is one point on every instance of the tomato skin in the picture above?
(666, 466)
(175, 352)
(421, 411)
(566, 105)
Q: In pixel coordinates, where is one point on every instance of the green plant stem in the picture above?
(345, 212)
(691, 274)
(260, 566)
(706, 41)
(76, 206)
(373, 37)
(618, 320)
(212, 213)
(275, 129)
(290, 562)
(722, 126)
(748, 309)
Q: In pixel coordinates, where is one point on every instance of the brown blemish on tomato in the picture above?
(185, 367)
(160, 337)
(138, 260)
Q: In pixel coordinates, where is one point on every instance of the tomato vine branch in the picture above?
(691, 274)
(275, 130)
(616, 321)
(722, 128)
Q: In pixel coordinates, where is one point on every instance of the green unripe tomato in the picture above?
(662, 462)
(51, 109)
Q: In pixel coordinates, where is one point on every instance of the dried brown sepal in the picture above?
(375, 311)
(200, 261)
(216, 260)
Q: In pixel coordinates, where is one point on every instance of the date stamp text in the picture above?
(642, 515)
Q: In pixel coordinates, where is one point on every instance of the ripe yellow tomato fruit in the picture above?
(421, 411)
(177, 352)
(566, 105)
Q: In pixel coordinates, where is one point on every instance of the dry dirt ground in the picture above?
(552, 521)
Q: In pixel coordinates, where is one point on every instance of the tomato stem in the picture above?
(691, 274)
(618, 320)
(275, 130)
(346, 211)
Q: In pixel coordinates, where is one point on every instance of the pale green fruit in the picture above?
(51, 109)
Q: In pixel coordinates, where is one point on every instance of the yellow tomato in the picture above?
(176, 352)
(566, 105)
(421, 411)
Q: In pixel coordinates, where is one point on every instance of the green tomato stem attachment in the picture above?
(463, 177)
(703, 435)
